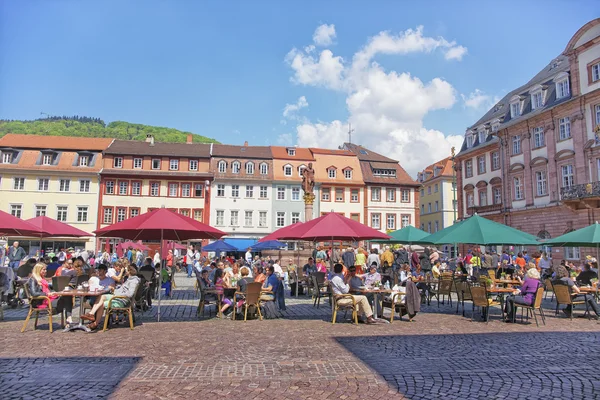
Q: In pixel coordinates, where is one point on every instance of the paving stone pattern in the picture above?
(442, 355)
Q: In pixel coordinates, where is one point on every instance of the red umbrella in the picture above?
(52, 227)
(133, 245)
(281, 232)
(334, 226)
(11, 225)
(178, 246)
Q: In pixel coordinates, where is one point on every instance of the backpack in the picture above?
(269, 310)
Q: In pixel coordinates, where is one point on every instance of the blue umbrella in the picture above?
(268, 245)
(219, 246)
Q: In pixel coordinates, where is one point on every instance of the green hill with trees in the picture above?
(95, 127)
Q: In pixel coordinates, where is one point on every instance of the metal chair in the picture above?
(395, 305)
(549, 288)
(35, 306)
(318, 283)
(445, 289)
(349, 304)
(564, 296)
(116, 310)
(480, 299)
(537, 305)
(463, 293)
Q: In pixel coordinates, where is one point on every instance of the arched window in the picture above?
(222, 167)
(235, 167)
(544, 235)
(250, 168)
(287, 170)
(300, 169)
(264, 168)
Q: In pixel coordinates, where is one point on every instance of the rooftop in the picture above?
(191, 150)
(20, 141)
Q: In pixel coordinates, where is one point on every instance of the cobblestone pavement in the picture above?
(441, 355)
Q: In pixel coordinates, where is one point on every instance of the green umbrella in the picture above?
(482, 231)
(408, 235)
(584, 237)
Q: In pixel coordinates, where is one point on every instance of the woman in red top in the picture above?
(170, 259)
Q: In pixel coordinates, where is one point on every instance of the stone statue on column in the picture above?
(308, 185)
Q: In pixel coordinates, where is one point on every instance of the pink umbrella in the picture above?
(11, 225)
(334, 226)
(52, 228)
(281, 232)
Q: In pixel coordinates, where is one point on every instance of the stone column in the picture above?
(309, 199)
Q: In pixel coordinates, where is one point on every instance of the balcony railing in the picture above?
(582, 191)
(484, 209)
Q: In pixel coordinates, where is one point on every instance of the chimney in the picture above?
(190, 138)
(150, 139)
(246, 143)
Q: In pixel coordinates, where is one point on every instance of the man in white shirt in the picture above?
(156, 259)
(340, 287)
(249, 256)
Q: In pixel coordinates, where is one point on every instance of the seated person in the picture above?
(53, 266)
(562, 278)
(585, 277)
(100, 281)
(354, 280)
(524, 296)
(435, 270)
(245, 279)
(66, 265)
(270, 285)
(219, 286)
(127, 289)
(204, 280)
(259, 276)
(371, 277)
(165, 275)
(38, 286)
(117, 272)
(26, 269)
(340, 287)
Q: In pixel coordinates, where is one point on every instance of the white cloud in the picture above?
(324, 35)
(290, 110)
(285, 139)
(386, 108)
(478, 99)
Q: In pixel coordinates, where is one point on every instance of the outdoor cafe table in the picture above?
(375, 292)
(590, 290)
(81, 294)
(507, 282)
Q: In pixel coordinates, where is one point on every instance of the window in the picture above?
(291, 152)
(497, 192)
(354, 195)
(482, 198)
(220, 217)
(428, 207)
(137, 163)
(263, 192)
(235, 167)
(295, 217)
(61, 213)
(435, 188)
(123, 187)
(326, 194)
(19, 184)
(262, 219)
(43, 184)
(348, 173)
(390, 194)
(198, 215)
(235, 190)
(572, 253)
(331, 173)
(118, 162)
(422, 192)
(84, 185)
(595, 75)
(339, 194)
(280, 192)
(40, 211)
(437, 226)
(468, 169)
(173, 189)
(541, 183)
(156, 163)
(250, 168)
(82, 214)
(83, 161)
(481, 165)
(16, 210)
(220, 190)
(134, 212)
(470, 200)
(121, 214)
(136, 188)
(185, 212)
(429, 189)
(515, 110)
(264, 169)
(375, 194)
(186, 190)
(429, 227)
(437, 206)
(405, 221)
(391, 221)
(110, 187)
(469, 141)
(422, 208)
(567, 176)
(495, 127)
(564, 128)
(516, 144)
(7, 157)
(405, 196)
(64, 185)
(234, 218)
(248, 218)
(598, 115)
(300, 169)
(47, 159)
(562, 88)
(518, 184)
(174, 165)
(295, 194)
(538, 137)
(222, 167)
(495, 160)
(198, 190)
(154, 189)
(107, 216)
(376, 221)
(193, 165)
(280, 221)
(536, 100)
(249, 191)
(287, 170)
(482, 136)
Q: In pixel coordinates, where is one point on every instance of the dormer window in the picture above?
(348, 173)
(222, 166)
(118, 162)
(436, 171)
(291, 151)
(250, 168)
(331, 172)
(537, 100)
(235, 167)
(300, 169)
(469, 141)
(174, 165)
(287, 170)
(562, 87)
(515, 109)
(482, 136)
(84, 160)
(495, 127)
(264, 169)
(47, 159)
(7, 157)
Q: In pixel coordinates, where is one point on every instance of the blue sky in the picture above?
(220, 68)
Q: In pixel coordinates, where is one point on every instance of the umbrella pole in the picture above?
(162, 261)
(297, 269)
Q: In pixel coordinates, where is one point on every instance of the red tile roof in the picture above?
(54, 142)
(280, 152)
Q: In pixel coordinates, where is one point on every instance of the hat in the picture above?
(70, 249)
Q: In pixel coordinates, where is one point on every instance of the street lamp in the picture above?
(454, 205)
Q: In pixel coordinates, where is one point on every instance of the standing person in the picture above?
(336, 255)
(139, 258)
(374, 258)
(476, 263)
(248, 256)
(467, 262)
(62, 256)
(544, 262)
(386, 256)
(348, 258)
(189, 261)
(156, 259)
(415, 260)
(322, 254)
(425, 261)
(360, 262)
(15, 255)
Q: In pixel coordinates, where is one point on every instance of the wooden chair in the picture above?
(205, 293)
(318, 284)
(445, 289)
(116, 310)
(480, 299)
(492, 273)
(549, 288)
(395, 305)
(37, 309)
(80, 279)
(251, 298)
(59, 283)
(563, 296)
(462, 293)
(345, 306)
(537, 305)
